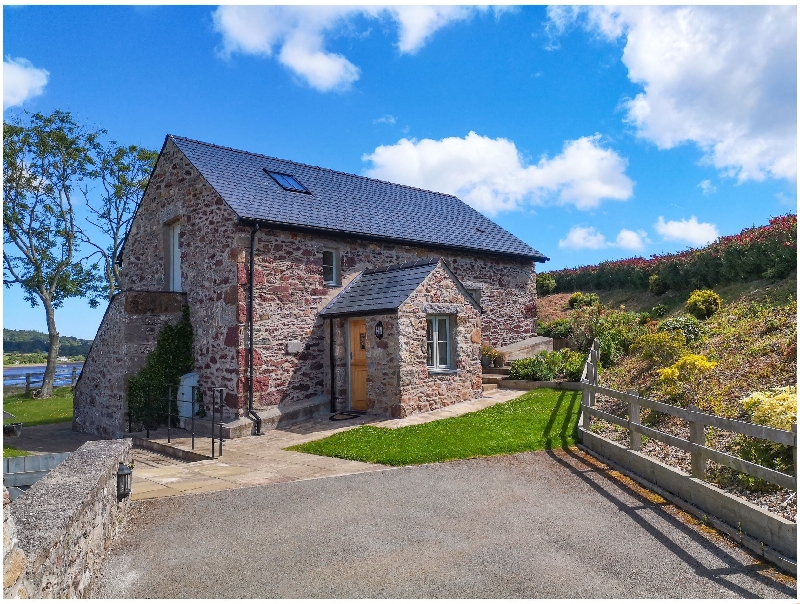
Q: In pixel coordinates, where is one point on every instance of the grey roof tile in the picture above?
(347, 203)
(381, 289)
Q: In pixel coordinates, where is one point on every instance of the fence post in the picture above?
(27, 383)
(634, 417)
(697, 435)
(74, 376)
(794, 448)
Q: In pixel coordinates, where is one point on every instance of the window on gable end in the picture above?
(438, 344)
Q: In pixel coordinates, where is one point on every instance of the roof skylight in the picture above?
(288, 182)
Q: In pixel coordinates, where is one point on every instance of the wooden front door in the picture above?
(358, 364)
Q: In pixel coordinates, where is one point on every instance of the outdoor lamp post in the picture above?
(124, 479)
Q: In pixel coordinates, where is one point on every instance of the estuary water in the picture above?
(14, 375)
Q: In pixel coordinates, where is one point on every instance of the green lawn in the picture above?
(539, 419)
(35, 412)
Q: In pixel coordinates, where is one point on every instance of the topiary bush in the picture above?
(545, 284)
(703, 303)
(687, 324)
(579, 300)
(657, 286)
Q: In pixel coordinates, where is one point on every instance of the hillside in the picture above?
(750, 345)
(26, 341)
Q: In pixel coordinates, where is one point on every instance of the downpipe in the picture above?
(250, 321)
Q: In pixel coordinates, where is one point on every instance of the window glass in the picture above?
(327, 266)
(438, 342)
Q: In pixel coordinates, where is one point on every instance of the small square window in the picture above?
(331, 273)
(438, 342)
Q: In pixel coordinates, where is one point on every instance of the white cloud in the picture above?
(386, 119)
(724, 78)
(580, 237)
(690, 231)
(21, 81)
(632, 240)
(583, 238)
(491, 176)
(299, 34)
(707, 187)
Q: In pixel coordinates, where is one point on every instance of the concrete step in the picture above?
(489, 387)
(496, 370)
(493, 378)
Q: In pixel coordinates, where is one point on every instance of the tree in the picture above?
(43, 162)
(123, 173)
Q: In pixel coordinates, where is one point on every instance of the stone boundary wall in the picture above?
(56, 535)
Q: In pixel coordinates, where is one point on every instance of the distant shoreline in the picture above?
(42, 364)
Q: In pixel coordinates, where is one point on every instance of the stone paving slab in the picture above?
(258, 460)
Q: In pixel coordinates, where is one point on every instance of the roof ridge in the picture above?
(386, 182)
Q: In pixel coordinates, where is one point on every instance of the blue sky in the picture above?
(591, 134)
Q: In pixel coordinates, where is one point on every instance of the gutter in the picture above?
(250, 322)
(333, 370)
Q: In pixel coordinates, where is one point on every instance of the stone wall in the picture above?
(421, 389)
(126, 336)
(56, 535)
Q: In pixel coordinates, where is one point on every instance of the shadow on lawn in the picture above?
(565, 433)
(596, 478)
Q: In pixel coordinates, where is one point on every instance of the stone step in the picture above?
(489, 387)
(493, 378)
(496, 370)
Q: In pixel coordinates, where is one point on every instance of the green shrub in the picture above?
(579, 300)
(573, 365)
(617, 331)
(659, 310)
(644, 318)
(538, 368)
(660, 349)
(657, 286)
(687, 324)
(545, 284)
(560, 328)
(703, 303)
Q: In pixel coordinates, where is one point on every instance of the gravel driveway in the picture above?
(537, 525)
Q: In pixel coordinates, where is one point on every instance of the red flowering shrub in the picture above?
(768, 252)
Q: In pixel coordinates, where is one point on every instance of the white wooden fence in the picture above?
(696, 445)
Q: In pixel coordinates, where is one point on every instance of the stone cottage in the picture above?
(309, 290)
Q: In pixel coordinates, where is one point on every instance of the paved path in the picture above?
(257, 460)
(543, 525)
(49, 438)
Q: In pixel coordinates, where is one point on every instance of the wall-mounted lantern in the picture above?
(124, 480)
(379, 330)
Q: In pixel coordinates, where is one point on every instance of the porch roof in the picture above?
(379, 289)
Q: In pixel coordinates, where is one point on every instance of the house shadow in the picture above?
(630, 501)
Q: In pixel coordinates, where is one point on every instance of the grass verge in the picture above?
(35, 412)
(12, 452)
(539, 419)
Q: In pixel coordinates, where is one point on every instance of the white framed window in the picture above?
(331, 271)
(173, 257)
(438, 342)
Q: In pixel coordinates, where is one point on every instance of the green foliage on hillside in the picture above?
(21, 340)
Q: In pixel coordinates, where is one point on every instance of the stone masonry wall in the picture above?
(421, 389)
(56, 535)
(291, 342)
(212, 251)
(126, 336)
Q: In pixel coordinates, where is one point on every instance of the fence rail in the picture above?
(696, 445)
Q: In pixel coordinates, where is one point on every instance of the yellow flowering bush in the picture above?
(660, 348)
(679, 381)
(777, 407)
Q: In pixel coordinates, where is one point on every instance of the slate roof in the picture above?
(379, 289)
(346, 203)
